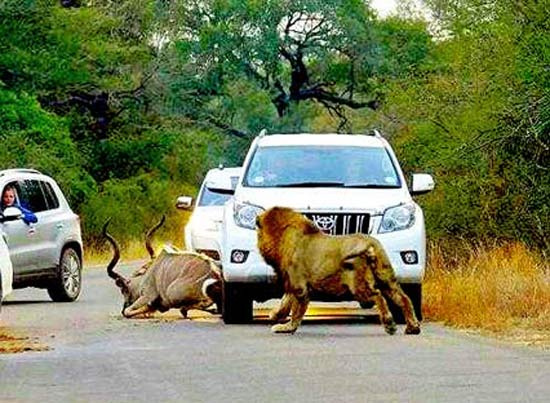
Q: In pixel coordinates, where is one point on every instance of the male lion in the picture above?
(307, 260)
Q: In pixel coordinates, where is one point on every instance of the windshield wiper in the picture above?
(371, 186)
(311, 185)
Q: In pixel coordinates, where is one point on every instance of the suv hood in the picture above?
(325, 199)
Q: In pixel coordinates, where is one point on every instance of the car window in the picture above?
(31, 195)
(209, 198)
(51, 197)
(322, 165)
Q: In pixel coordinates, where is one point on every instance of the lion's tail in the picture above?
(373, 252)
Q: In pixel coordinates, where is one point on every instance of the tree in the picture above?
(479, 120)
(284, 53)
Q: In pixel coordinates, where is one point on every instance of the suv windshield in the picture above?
(321, 166)
(209, 198)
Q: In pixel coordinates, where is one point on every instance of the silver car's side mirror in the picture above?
(422, 183)
(184, 202)
(10, 214)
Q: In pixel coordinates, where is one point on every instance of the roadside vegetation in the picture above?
(498, 288)
(128, 104)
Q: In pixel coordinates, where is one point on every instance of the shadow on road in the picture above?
(28, 302)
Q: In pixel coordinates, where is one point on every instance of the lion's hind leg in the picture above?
(387, 283)
(394, 292)
(366, 292)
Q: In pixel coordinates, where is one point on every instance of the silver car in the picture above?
(46, 253)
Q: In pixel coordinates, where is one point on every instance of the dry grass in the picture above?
(133, 250)
(502, 289)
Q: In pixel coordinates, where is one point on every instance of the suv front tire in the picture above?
(237, 303)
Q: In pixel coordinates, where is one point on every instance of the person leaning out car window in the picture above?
(9, 200)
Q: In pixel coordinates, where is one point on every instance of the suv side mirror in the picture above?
(10, 214)
(184, 202)
(422, 183)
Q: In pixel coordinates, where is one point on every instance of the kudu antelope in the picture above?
(173, 279)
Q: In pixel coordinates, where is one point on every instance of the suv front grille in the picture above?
(340, 223)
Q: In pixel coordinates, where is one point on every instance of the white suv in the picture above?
(46, 253)
(345, 184)
(202, 232)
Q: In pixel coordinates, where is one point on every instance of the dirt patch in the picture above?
(15, 342)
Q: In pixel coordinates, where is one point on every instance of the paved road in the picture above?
(96, 356)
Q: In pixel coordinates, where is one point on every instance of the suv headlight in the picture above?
(245, 214)
(398, 218)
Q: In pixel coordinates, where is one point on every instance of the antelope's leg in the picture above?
(140, 306)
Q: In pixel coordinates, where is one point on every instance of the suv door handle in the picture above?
(59, 226)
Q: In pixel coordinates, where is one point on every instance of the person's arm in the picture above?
(28, 216)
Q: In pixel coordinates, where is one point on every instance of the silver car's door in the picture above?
(19, 236)
(43, 240)
(56, 223)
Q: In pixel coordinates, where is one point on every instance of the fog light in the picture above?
(239, 256)
(409, 257)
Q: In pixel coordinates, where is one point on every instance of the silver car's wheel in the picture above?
(67, 285)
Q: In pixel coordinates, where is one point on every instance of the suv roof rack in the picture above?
(375, 133)
(263, 132)
(19, 170)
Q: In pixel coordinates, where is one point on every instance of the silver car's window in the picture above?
(51, 197)
(323, 166)
(31, 195)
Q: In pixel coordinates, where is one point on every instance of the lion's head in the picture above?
(273, 225)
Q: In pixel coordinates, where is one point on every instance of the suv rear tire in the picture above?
(414, 291)
(68, 284)
(237, 304)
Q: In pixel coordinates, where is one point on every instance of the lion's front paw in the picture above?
(412, 329)
(283, 328)
(277, 316)
(390, 327)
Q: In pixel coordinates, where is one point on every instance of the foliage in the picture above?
(275, 55)
(134, 205)
(34, 138)
(476, 116)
